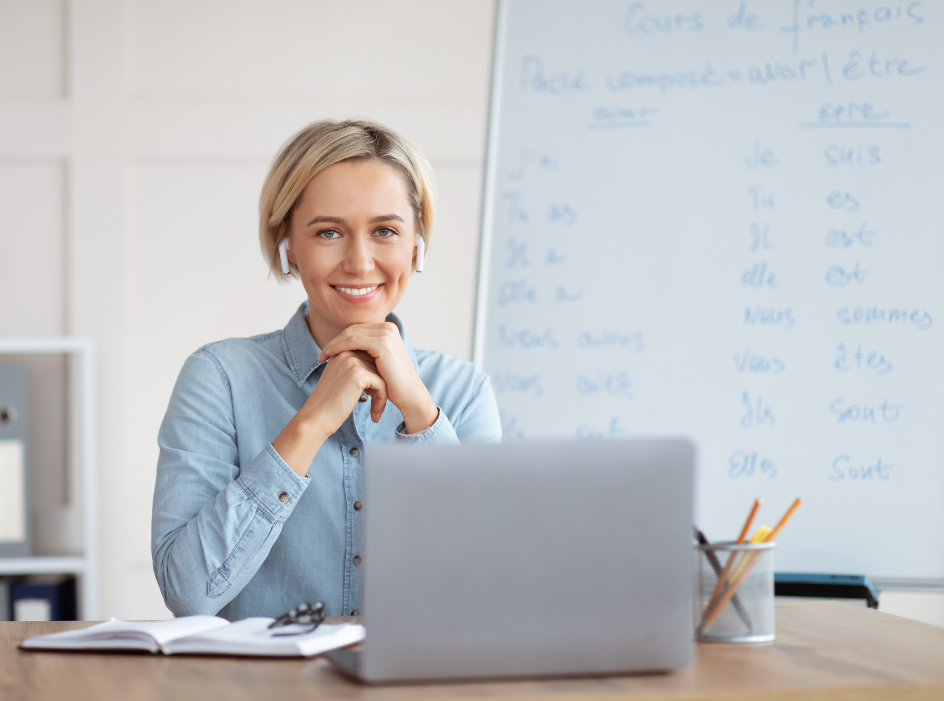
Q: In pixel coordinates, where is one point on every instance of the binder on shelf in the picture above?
(4, 599)
(14, 511)
(43, 598)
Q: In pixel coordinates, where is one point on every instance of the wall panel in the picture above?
(451, 132)
(32, 248)
(32, 49)
(323, 49)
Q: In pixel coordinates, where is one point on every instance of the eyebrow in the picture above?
(340, 220)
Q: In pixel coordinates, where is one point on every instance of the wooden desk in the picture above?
(824, 650)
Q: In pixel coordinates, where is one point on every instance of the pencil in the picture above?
(750, 519)
(727, 568)
(783, 521)
(711, 614)
(716, 566)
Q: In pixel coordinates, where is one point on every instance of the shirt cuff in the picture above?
(272, 485)
(440, 433)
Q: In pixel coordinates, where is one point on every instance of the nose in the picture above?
(359, 258)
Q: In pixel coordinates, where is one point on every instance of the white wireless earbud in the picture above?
(283, 256)
(420, 253)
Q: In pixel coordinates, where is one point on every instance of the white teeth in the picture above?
(356, 292)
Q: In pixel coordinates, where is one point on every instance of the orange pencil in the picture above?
(712, 613)
(783, 521)
(750, 520)
(727, 568)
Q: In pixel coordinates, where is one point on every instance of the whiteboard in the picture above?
(722, 220)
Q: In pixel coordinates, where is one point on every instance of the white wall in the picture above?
(134, 137)
(927, 607)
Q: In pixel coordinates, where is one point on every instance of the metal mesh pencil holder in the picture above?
(741, 609)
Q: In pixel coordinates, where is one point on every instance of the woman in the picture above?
(258, 500)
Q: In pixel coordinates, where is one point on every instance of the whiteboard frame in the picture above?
(488, 198)
(485, 249)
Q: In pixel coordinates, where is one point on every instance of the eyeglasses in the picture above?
(309, 616)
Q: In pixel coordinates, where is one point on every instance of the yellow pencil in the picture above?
(763, 532)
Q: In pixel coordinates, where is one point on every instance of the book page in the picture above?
(252, 636)
(166, 631)
(126, 635)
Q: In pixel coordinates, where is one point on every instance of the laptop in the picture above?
(524, 560)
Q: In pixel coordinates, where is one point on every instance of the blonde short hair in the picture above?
(320, 145)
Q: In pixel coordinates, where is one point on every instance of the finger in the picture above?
(364, 360)
(359, 337)
(358, 329)
(361, 360)
(377, 406)
(333, 342)
(358, 342)
(367, 359)
(378, 398)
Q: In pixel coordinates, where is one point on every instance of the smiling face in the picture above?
(353, 239)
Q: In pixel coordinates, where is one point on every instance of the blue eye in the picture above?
(385, 232)
(329, 234)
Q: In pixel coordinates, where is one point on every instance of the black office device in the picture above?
(826, 586)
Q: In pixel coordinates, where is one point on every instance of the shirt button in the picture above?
(357, 561)
(283, 497)
(358, 506)
(363, 398)
(354, 452)
(355, 612)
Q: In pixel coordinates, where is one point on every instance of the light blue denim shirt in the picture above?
(234, 530)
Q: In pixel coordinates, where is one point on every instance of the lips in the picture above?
(357, 294)
(356, 291)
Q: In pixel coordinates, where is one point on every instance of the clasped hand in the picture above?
(372, 358)
(363, 358)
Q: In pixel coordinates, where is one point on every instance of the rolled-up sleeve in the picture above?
(476, 419)
(213, 521)
(440, 433)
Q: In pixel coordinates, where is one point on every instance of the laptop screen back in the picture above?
(527, 559)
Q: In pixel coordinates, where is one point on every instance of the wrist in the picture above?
(299, 442)
(420, 418)
(312, 427)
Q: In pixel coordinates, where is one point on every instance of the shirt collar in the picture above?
(302, 352)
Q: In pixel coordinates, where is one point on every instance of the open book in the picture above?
(202, 635)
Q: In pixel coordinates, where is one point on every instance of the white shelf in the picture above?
(45, 344)
(43, 565)
(82, 418)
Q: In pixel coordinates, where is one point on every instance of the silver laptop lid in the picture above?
(527, 559)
